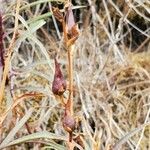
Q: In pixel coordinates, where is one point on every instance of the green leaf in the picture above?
(43, 16)
(38, 135)
(36, 25)
(37, 3)
(53, 145)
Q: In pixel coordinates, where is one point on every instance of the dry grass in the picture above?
(111, 76)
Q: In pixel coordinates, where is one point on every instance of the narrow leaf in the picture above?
(125, 138)
(43, 134)
(13, 132)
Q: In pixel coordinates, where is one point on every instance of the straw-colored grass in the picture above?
(111, 76)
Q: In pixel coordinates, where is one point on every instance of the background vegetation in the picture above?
(111, 75)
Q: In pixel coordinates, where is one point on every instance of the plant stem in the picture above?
(10, 49)
(70, 146)
(70, 68)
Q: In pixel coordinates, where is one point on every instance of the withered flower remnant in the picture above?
(70, 28)
(70, 21)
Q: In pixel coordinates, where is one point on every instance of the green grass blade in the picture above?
(38, 135)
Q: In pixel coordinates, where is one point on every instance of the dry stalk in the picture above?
(9, 52)
(70, 36)
(7, 63)
(70, 70)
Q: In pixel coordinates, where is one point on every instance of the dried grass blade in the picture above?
(13, 132)
(128, 135)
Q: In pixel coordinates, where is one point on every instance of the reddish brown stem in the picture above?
(1, 43)
(70, 137)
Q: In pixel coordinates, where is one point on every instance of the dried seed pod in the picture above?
(69, 122)
(70, 21)
(59, 83)
(72, 27)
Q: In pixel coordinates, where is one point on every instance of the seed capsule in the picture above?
(69, 123)
(59, 83)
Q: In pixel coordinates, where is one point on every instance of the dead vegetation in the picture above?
(111, 75)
